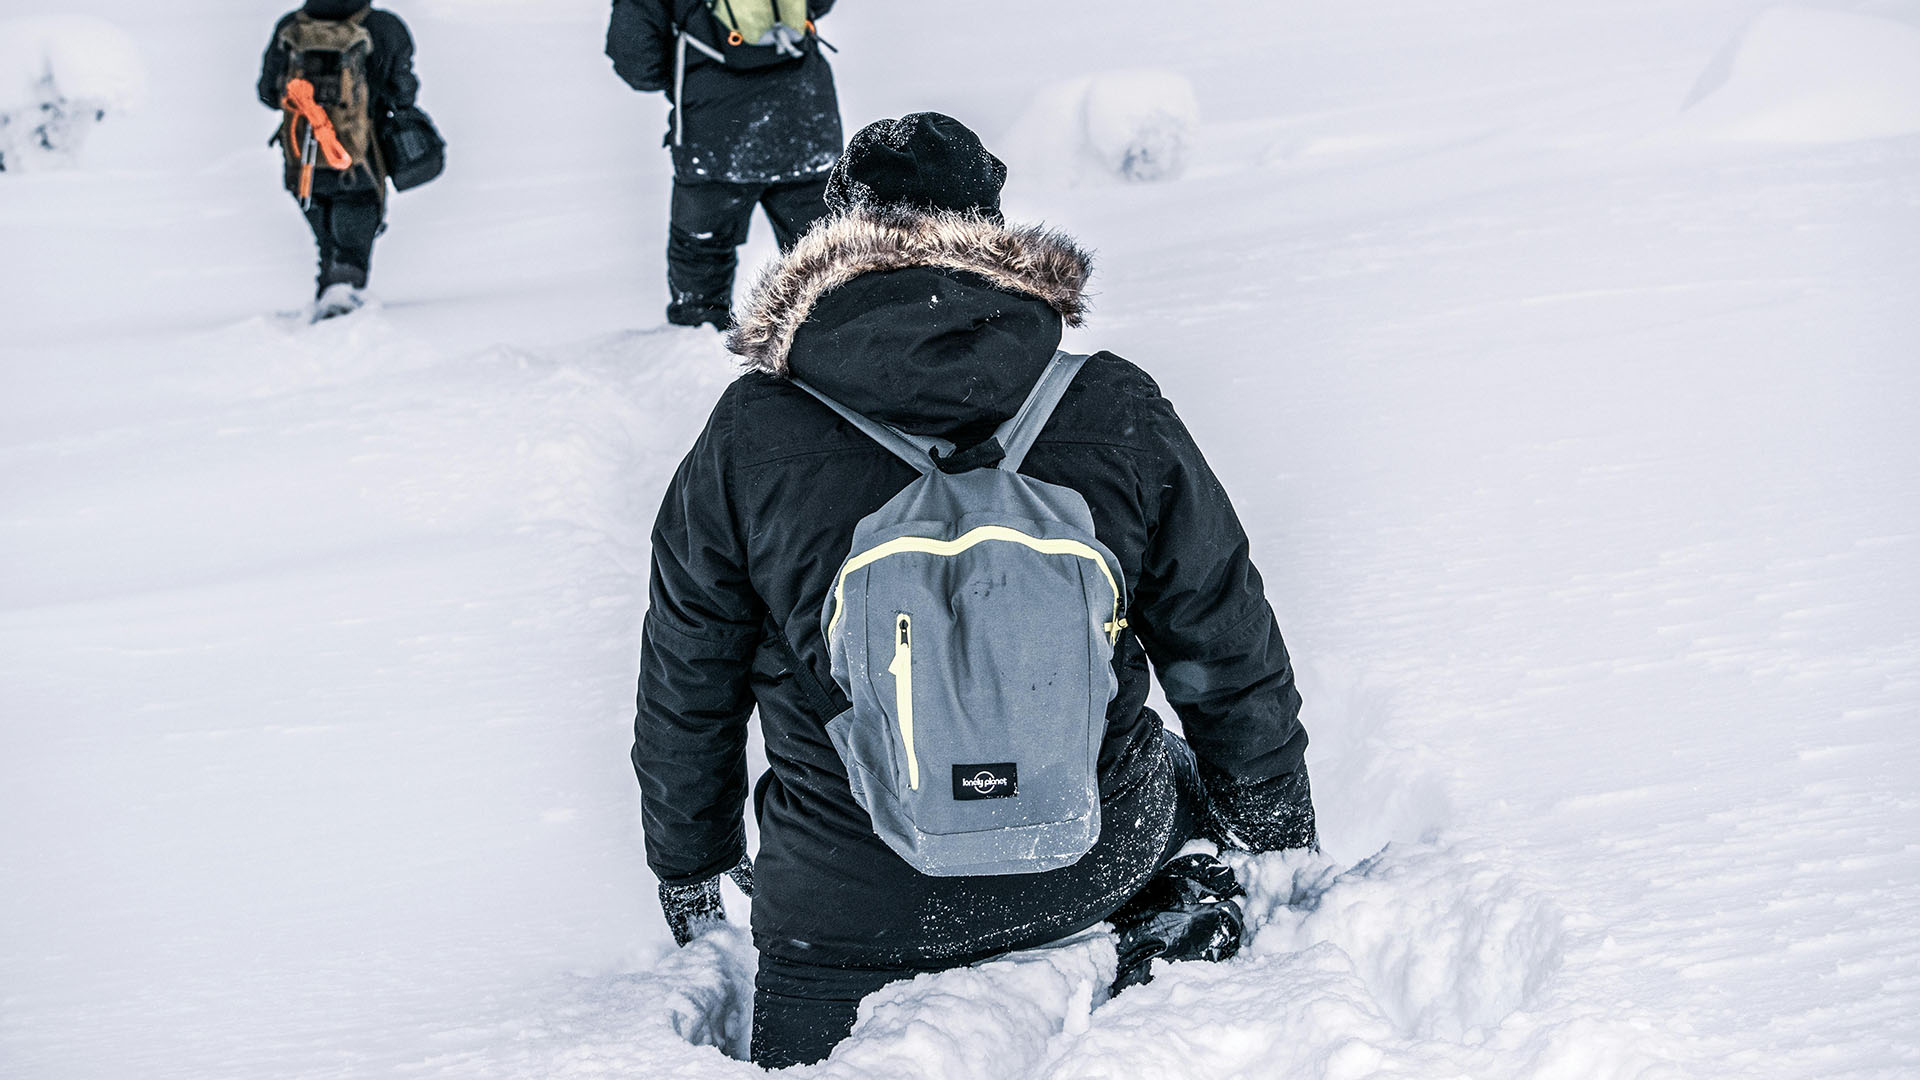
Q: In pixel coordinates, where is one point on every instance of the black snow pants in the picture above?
(344, 227)
(709, 220)
(802, 1011)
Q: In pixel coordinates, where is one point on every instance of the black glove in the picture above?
(1265, 815)
(690, 906)
(1186, 911)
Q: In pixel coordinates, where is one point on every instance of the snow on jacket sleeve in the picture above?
(640, 43)
(702, 627)
(1201, 612)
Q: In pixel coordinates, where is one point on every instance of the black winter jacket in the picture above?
(389, 67)
(765, 125)
(939, 324)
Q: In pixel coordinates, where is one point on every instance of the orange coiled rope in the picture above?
(299, 102)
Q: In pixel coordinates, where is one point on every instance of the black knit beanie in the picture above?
(926, 161)
(333, 9)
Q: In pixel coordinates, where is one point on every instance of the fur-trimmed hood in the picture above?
(1028, 260)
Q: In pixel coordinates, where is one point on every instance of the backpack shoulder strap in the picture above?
(360, 32)
(288, 36)
(918, 451)
(1020, 433)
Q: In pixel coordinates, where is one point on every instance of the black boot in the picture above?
(337, 288)
(692, 309)
(1185, 912)
(337, 271)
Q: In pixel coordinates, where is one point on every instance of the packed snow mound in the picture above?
(1421, 961)
(60, 75)
(1118, 126)
(1011, 1016)
(1447, 944)
(1798, 75)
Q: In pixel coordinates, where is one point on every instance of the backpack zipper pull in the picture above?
(902, 671)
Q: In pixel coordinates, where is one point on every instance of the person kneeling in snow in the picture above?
(916, 305)
(355, 65)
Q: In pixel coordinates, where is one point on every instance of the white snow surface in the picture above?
(1809, 75)
(1579, 461)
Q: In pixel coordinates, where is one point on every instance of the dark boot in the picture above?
(337, 271)
(1185, 912)
(338, 292)
(337, 300)
(692, 309)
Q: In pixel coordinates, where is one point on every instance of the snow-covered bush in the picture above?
(60, 75)
(1121, 125)
(1801, 75)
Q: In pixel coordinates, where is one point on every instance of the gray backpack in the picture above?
(972, 626)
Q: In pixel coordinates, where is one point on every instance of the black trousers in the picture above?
(709, 221)
(802, 1011)
(344, 227)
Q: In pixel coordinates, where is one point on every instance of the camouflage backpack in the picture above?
(333, 55)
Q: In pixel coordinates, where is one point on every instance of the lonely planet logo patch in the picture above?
(998, 780)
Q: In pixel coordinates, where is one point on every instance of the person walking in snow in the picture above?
(755, 122)
(918, 306)
(337, 69)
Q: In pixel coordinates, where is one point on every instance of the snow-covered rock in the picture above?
(1121, 125)
(1801, 75)
(60, 75)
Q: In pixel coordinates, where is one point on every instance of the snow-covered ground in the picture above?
(1562, 359)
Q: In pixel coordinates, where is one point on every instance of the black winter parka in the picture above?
(939, 324)
(767, 125)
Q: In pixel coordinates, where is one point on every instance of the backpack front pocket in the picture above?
(902, 671)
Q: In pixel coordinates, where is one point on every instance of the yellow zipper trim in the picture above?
(902, 671)
(973, 538)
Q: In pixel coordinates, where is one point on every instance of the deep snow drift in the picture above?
(1560, 358)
